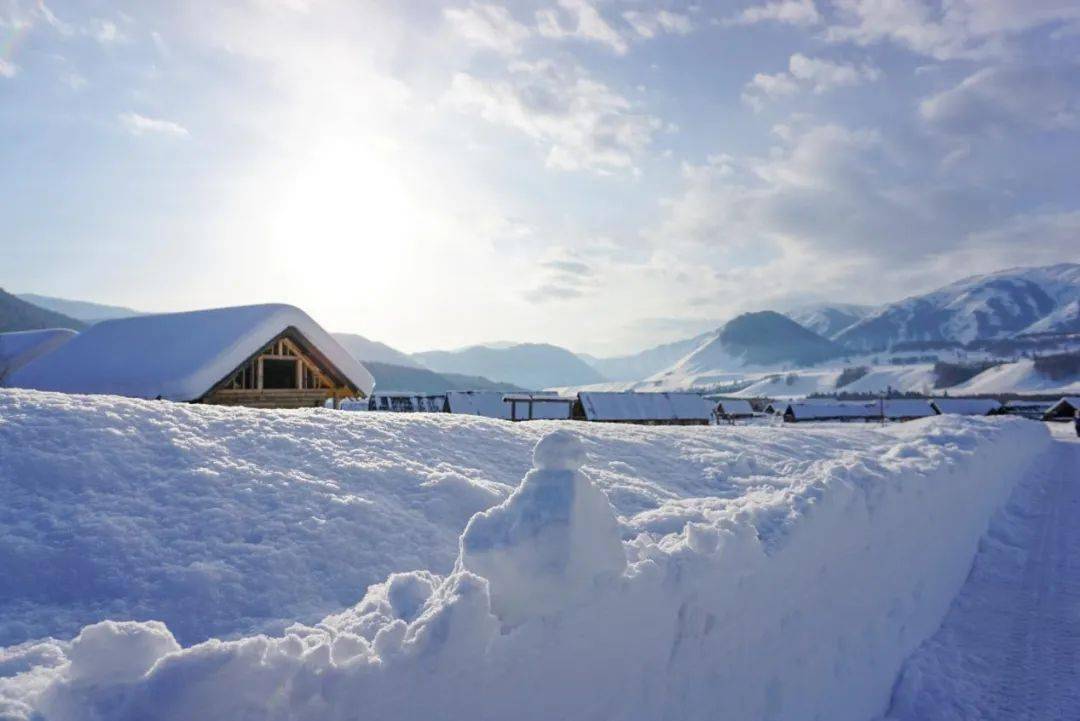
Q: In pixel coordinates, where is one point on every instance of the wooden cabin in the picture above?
(265, 356)
(1064, 410)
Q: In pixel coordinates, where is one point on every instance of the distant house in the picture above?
(677, 409)
(267, 356)
(405, 402)
(728, 409)
(1026, 408)
(1063, 410)
(891, 409)
(21, 347)
(478, 403)
(966, 406)
(538, 406)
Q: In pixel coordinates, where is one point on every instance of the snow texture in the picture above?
(175, 356)
(768, 573)
(19, 348)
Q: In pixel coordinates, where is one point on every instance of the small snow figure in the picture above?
(550, 542)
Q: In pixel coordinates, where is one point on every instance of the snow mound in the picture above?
(548, 544)
(794, 590)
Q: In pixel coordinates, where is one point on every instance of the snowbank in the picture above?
(768, 573)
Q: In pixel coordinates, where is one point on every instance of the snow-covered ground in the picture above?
(765, 572)
(1017, 377)
(1010, 645)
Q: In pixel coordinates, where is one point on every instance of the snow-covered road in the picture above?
(1010, 645)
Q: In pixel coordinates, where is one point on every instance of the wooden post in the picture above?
(299, 374)
(259, 375)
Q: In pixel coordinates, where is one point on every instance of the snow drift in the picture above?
(770, 573)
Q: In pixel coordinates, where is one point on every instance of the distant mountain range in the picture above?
(1002, 305)
(16, 314)
(82, 310)
(997, 305)
(530, 365)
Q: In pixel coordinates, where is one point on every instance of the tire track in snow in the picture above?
(1009, 647)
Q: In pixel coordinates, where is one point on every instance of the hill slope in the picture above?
(80, 309)
(645, 363)
(829, 319)
(17, 314)
(996, 305)
(364, 350)
(390, 377)
(529, 365)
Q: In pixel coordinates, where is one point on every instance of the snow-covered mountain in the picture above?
(647, 362)
(829, 319)
(751, 341)
(995, 305)
(17, 314)
(529, 365)
(364, 349)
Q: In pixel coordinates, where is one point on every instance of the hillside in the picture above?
(996, 305)
(364, 350)
(645, 363)
(80, 309)
(17, 314)
(530, 365)
(390, 377)
(829, 319)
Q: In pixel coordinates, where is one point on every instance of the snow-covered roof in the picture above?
(478, 403)
(544, 405)
(966, 406)
(19, 348)
(628, 406)
(734, 407)
(892, 408)
(1072, 401)
(177, 356)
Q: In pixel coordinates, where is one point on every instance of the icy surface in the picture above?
(770, 573)
(176, 356)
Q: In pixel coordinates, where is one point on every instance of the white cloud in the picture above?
(488, 26)
(105, 32)
(140, 124)
(962, 29)
(816, 74)
(583, 123)
(8, 69)
(651, 24)
(999, 99)
(578, 19)
(791, 12)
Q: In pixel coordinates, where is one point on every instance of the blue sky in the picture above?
(598, 174)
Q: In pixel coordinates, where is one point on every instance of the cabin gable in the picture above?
(287, 372)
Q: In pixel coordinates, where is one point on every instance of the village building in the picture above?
(890, 409)
(670, 409)
(538, 406)
(266, 356)
(1064, 410)
(731, 409)
(1026, 408)
(966, 406)
(403, 402)
(22, 347)
(488, 404)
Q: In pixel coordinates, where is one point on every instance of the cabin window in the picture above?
(279, 374)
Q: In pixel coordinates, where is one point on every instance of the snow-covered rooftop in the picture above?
(734, 407)
(176, 356)
(478, 403)
(966, 406)
(644, 406)
(19, 348)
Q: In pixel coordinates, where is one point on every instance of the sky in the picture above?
(597, 174)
